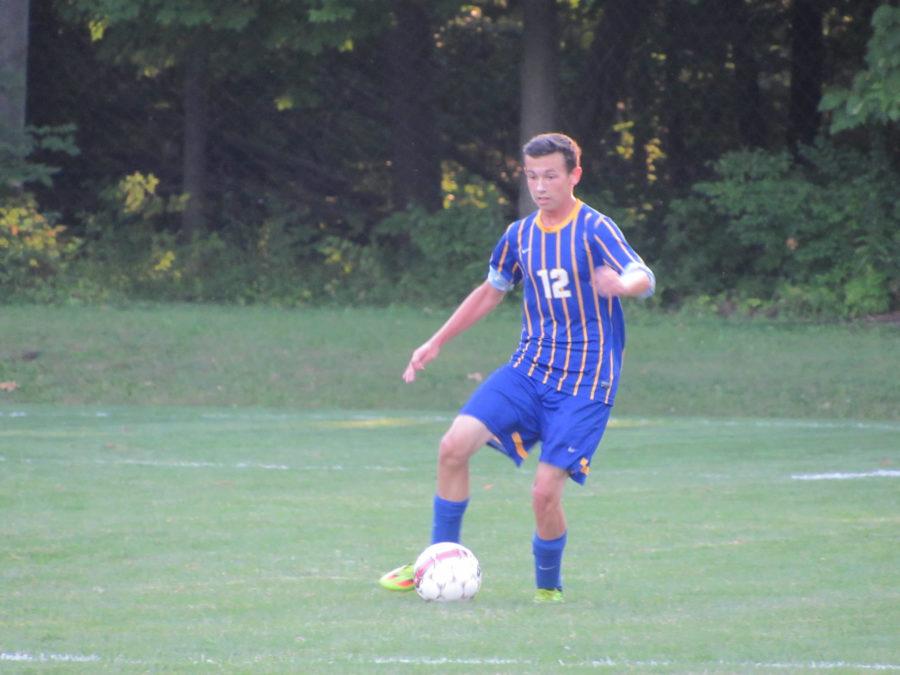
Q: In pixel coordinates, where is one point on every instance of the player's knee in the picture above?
(544, 497)
(452, 451)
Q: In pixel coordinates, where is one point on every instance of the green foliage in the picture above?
(875, 93)
(440, 257)
(817, 236)
(132, 250)
(300, 144)
(17, 164)
(34, 251)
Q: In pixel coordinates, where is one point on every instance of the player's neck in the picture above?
(557, 216)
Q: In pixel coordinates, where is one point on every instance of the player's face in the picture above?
(550, 182)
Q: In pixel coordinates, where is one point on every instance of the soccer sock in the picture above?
(548, 561)
(447, 521)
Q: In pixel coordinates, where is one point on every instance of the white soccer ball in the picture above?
(446, 572)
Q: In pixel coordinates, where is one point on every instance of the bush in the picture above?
(132, 251)
(34, 252)
(128, 249)
(817, 236)
(440, 257)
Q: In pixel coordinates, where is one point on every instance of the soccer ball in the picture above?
(445, 572)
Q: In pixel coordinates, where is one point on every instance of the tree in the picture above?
(539, 76)
(415, 146)
(874, 96)
(806, 70)
(13, 79)
(206, 43)
(608, 59)
(751, 121)
(194, 153)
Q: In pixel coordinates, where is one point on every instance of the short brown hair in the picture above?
(547, 144)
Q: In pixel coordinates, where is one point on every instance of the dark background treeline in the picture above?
(366, 151)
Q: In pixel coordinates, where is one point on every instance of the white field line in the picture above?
(775, 423)
(816, 665)
(175, 464)
(606, 662)
(880, 473)
(186, 464)
(603, 662)
(445, 661)
(24, 657)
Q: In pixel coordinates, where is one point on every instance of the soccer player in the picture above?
(560, 383)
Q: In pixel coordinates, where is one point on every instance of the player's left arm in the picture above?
(624, 273)
(632, 283)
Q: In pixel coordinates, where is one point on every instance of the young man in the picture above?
(560, 384)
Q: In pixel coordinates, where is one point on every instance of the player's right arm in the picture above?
(475, 307)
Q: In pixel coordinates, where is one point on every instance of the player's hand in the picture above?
(424, 354)
(607, 282)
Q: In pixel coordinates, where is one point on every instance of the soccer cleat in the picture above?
(543, 595)
(400, 579)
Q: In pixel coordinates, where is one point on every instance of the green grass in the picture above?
(352, 359)
(208, 488)
(184, 538)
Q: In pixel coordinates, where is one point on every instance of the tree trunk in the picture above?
(806, 71)
(415, 154)
(13, 76)
(539, 78)
(607, 65)
(750, 119)
(677, 160)
(193, 219)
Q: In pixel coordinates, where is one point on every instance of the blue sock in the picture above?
(548, 561)
(447, 520)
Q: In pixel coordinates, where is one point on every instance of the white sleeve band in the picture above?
(631, 267)
(498, 281)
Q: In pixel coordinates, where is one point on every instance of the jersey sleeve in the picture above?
(504, 271)
(610, 246)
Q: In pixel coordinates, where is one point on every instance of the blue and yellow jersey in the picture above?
(572, 339)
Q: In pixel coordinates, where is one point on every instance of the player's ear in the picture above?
(575, 175)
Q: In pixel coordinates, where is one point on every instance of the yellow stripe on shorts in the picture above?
(520, 446)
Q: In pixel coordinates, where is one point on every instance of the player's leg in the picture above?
(550, 530)
(572, 430)
(462, 440)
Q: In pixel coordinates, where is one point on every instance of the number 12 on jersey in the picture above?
(555, 282)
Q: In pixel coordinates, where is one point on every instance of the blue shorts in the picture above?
(520, 411)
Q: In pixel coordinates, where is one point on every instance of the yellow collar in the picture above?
(556, 228)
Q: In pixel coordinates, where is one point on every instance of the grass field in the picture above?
(206, 489)
(161, 539)
(352, 359)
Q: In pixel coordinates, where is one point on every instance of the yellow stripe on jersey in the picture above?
(578, 293)
(612, 361)
(537, 296)
(525, 295)
(550, 303)
(519, 244)
(615, 234)
(609, 255)
(503, 256)
(565, 305)
(596, 297)
(520, 446)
